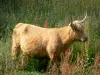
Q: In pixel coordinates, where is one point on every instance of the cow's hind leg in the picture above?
(25, 59)
(15, 55)
(15, 47)
(15, 52)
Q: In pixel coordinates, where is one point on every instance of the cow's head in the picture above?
(78, 28)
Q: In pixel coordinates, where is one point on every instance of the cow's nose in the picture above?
(86, 38)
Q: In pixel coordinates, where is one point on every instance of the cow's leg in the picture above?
(15, 54)
(53, 58)
(15, 47)
(55, 64)
(25, 59)
(15, 51)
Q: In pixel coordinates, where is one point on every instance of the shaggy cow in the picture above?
(37, 42)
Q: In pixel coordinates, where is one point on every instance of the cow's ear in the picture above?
(74, 27)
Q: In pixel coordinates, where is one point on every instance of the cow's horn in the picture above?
(84, 18)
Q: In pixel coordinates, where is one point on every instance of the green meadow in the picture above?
(85, 58)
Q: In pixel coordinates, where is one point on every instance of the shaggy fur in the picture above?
(45, 42)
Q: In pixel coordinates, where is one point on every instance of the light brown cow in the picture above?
(38, 42)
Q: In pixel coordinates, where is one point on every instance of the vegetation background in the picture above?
(54, 12)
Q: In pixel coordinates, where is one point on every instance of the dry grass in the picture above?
(79, 67)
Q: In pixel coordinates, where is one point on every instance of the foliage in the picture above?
(52, 13)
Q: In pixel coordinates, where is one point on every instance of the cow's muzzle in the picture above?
(84, 39)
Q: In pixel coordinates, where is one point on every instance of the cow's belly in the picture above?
(41, 53)
(35, 50)
(34, 46)
(38, 53)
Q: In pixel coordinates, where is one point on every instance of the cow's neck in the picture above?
(67, 36)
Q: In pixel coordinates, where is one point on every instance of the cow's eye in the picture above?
(79, 31)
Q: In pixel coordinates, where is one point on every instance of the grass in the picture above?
(85, 57)
(80, 62)
(7, 66)
(76, 64)
(30, 73)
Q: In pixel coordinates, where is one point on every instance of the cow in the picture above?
(37, 42)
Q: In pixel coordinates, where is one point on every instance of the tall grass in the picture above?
(51, 13)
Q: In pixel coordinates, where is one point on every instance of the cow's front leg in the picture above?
(55, 70)
(53, 63)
